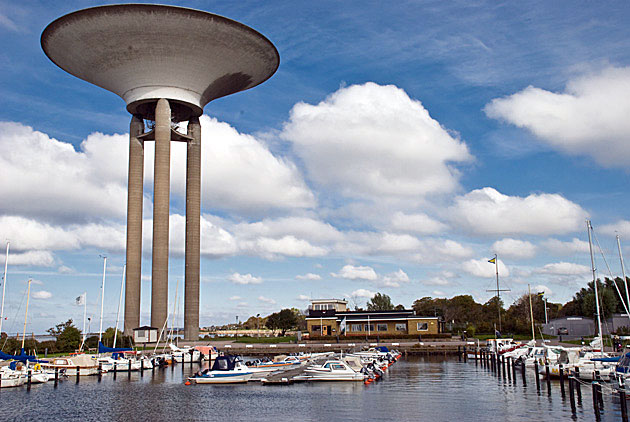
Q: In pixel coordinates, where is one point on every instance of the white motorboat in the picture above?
(110, 364)
(225, 370)
(331, 370)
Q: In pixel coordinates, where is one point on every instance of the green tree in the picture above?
(380, 302)
(67, 335)
(283, 321)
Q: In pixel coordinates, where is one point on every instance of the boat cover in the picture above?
(382, 349)
(224, 363)
(22, 357)
(104, 349)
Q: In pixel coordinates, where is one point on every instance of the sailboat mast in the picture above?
(599, 319)
(100, 331)
(122, 283)
(4, 284)
(531, 311)
(623, 272)
(28, 296)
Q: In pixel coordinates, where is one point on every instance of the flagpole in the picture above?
(531, 311)
(84, 295)
(100, 331)
(496, 266)
(4, 284)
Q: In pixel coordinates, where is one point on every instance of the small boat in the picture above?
(68, 365)
(209, 352)
(11, 378)
(331, 370)
(278, 362)
(188, 354)
(225, 370)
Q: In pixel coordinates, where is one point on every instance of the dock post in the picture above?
(78, 373)
(548, 377)
(600, 396)
(578, 386)
(624, 405)
(459, 353)
(56, 375)
(561, 372)
(571, 394)
(115, 369)
(476, 357)
(30, 374)
(129, 366)
(503, 365)
(509, 371)
(596, 375)
(0, 381)
(191, 358)
(523, 374)
(595, 401)
(465, 354)
(537, 375)
(141, 365)
(514, 370)
(498, 365)
(100, 371)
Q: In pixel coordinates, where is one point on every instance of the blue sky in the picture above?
(396, 150)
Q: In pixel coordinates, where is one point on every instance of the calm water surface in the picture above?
(415, 388)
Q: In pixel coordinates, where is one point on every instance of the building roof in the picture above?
(145, 327)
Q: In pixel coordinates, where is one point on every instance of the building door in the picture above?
(326, 330)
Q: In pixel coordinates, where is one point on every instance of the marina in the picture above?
(434, 387)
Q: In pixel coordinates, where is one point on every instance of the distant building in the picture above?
(326, 316)
(145, 334)
(616, 322)
(572, 326)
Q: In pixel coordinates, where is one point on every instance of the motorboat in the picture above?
(225, 370)
(70, 365)
(279, 362)
(118, 363)
(331, 370)
(209, 353)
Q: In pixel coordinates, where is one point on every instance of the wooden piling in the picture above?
(78, 373)
(465, 354)
(537, 375)
(100, 371)
(572, 394)
(509, 372)
(523, 374)
(56, 375)
(578, 386)
(514, 370)
(548, 376)
(595, 401)
(600, 396)
(623, 405)
(561, 372)
(459, 353)
(503, 365)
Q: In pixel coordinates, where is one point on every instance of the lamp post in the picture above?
(236, 332)
(258, 321)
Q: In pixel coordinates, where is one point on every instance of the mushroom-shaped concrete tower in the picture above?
(166, 63)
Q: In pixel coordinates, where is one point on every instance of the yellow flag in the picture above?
(492, 261)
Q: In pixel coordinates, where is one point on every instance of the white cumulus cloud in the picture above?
(352, 272)
(417, 223)
(237, 278)
(487, 211)
(363, 293)
(42, 294)
(373, 141)
(484, 269)
(589, 118)
(394, 279)
(564, 268)
(266, 300)
(514, 248)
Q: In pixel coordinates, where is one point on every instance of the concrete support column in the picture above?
(161, 198)
(134, 225)
(193, 231)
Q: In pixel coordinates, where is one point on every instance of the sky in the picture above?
(396, 150)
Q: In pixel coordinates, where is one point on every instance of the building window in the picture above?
(316, 327)
(423, 326)
(356, 327)
(369, 327)
(381, 327)
(401, 326)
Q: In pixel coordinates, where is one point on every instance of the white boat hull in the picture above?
(223, 378)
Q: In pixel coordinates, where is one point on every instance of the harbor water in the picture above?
(414, 388)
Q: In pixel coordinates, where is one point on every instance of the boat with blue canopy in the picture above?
(225, 370)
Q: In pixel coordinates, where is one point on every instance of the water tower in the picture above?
(166, 63)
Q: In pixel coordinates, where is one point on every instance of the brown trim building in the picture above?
(327, 317)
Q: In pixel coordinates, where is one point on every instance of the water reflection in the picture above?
(425, 388)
